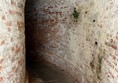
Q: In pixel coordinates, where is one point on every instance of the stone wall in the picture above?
(12, 50)
(79, 36)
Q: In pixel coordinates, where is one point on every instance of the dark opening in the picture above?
(38, 69)
(96, 43)
(94, 20)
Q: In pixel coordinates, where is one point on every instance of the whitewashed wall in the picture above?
(12, 50)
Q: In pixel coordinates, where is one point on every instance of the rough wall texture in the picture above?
(12, 53)
(84, 45)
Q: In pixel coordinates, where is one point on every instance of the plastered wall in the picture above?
(85, 46)
(12, 50)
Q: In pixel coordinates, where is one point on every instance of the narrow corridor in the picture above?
(79, 36)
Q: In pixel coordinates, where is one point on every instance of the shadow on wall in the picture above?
(33, 37)
(47, 30)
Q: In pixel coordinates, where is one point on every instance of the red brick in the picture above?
(3, 18)
(12, 12)
(13, 2)
(9, 23)
(2, 42)
(114, 47)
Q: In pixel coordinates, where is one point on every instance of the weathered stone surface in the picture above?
(12, 39)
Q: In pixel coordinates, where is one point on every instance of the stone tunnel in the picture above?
(79, 37)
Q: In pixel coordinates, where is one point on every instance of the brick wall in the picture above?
(85, 46)
(12, 57)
